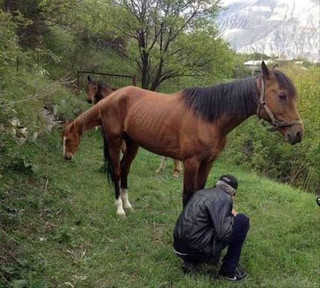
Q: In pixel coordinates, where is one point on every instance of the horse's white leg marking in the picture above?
(64, 146)
(125, 198)
(119, 206)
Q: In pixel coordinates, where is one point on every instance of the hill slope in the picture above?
(59, 227)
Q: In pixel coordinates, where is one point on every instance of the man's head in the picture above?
(229, 183)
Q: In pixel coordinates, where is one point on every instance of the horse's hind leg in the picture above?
(177, 168)
(162, 164)
(128, 157)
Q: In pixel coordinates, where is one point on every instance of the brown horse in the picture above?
(190, 125)
(97, 91)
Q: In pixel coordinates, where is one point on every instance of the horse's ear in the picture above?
(265, 70)
(275, 66)
(67, 123)
(72, 127)
(89, 78)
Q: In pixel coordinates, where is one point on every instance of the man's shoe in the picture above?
(189, 267)
(237, 275)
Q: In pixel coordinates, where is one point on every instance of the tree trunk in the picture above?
(144, 76)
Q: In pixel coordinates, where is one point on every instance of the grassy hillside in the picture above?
(59, 229)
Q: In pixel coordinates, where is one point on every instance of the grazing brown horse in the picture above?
(97, 91)
(190, 125)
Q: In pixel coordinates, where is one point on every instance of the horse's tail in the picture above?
(109, 165)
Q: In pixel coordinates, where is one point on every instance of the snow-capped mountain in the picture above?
(283, 28)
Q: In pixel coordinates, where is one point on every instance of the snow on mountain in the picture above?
(283, 28)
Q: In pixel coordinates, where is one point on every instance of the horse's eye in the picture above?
(283, 96)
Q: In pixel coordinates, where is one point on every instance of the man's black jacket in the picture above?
(206, 223)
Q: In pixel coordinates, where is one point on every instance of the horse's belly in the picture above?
(156, 142)
(156, 134)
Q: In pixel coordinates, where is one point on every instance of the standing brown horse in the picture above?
(97, 91)
(191, 125)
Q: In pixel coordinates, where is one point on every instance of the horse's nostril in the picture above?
(299, 136)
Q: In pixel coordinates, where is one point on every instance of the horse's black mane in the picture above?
(239, 98)
(234, 98)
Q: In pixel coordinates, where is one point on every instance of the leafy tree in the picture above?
(9, 48)
(30, 26)
(168, 38)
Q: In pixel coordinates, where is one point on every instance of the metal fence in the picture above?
(119, 80)
(113, 80)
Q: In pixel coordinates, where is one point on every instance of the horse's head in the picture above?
(93, 87)
(70, 140)
(277, 104)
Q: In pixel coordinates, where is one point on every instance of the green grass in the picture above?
(59, 228)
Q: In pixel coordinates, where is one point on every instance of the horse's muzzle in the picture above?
(67, 157)
(294, 138)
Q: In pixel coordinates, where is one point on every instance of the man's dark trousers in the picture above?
(239, 233)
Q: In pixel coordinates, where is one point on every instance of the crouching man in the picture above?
(207, 225)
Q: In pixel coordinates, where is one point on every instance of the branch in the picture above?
(184, 26)
(139, 65)
(175, 52)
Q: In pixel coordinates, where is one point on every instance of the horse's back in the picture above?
(137, 92)
(132, 97)
(145, 115)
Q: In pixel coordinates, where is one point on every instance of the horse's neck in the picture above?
(88, 119)
(105, 91)
(98, 97)
(228, 124)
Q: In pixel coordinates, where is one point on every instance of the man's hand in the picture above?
(234, 212)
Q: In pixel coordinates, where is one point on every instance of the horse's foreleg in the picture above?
(191, 167)
(177, 168)
(123, 147)
(204, 171)
(114, 154)
(128, 157)
(162, 164)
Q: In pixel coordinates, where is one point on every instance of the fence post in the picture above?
(134, 80)
(78, 80)
(18, 64)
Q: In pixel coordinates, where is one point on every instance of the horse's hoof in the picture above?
(130, 210)
(176, 174)
(121, 215)
(128, 207)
